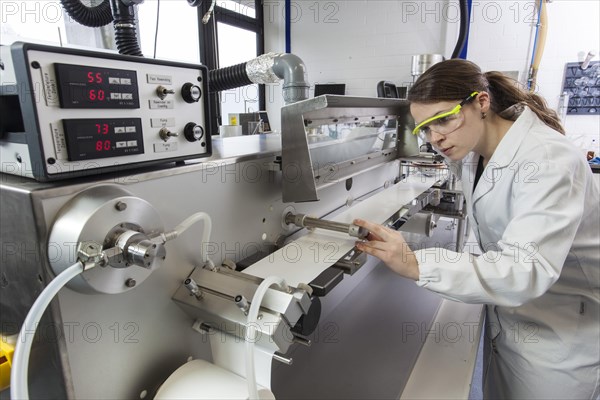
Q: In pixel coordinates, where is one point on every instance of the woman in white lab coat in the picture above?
(533, 204)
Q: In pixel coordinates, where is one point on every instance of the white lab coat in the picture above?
(535, 213)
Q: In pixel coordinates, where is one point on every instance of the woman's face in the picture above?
(456, 140)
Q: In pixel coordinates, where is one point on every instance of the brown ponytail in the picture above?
(455, 79)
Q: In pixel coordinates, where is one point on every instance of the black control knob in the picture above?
(191, 93)
(193, 132)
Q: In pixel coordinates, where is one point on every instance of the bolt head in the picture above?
(121, 206)
(130, 283)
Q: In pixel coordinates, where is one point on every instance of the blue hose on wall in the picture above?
(464, 29)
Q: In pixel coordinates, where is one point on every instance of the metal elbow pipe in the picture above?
(292, 70)
(267, 68)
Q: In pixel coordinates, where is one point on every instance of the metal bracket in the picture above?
(412, 208)
(351, 262)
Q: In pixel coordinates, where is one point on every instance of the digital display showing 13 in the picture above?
(93, 87)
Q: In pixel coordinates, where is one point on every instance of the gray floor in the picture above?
(476, 386)
(444, 235)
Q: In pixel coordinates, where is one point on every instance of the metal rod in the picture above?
(305, 221)
(281, 359)
(302, 341)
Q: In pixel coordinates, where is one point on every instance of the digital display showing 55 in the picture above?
(93, 87)
(103, 137)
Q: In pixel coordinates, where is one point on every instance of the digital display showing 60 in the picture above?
(93, 87)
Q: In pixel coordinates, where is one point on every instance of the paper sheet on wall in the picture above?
(304, 259)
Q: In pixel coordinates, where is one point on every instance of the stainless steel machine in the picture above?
(167, 293)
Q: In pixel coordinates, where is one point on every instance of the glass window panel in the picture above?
(243, 7)
(236, 46)
(45, 21)
(32, 21)
(177, 31)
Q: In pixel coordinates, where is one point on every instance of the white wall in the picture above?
(358, 43)
(504, 43)
(362, 42)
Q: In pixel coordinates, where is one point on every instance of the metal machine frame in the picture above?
(304, 177)
(241, 187)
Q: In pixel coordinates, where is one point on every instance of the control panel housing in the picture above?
(70, 113)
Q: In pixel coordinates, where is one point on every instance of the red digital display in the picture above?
(102, 128)
(103, 145)
(104, 137)
(96, 95)
(95, 77)
(93, 87)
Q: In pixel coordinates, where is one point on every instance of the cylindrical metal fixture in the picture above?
(302, 341)
(422, 62)
(281, 359)
(144, 252)
(193, 287)
(242, 303)
(305, 221)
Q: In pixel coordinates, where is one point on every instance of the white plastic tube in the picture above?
(183, 226)
(251, 331)
(191, 220)
(19, 389)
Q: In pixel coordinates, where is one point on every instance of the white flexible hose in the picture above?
(191, 220)
(251, 331)
(20, 363)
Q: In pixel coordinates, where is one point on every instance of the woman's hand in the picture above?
(390, 247)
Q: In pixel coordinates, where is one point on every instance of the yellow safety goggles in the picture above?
(454, 111)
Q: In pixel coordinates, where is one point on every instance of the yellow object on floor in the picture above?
(6, 355)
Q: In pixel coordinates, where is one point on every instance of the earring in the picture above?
(483, 115)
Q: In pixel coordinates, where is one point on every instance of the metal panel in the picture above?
(118, 346)
(22, 278)
(300, 180)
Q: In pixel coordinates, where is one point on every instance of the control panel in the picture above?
(82, 112)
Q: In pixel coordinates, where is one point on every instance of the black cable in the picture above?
(125, 28)
(156, 30)
(227, 78)
(464, 28)
(94, 17)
